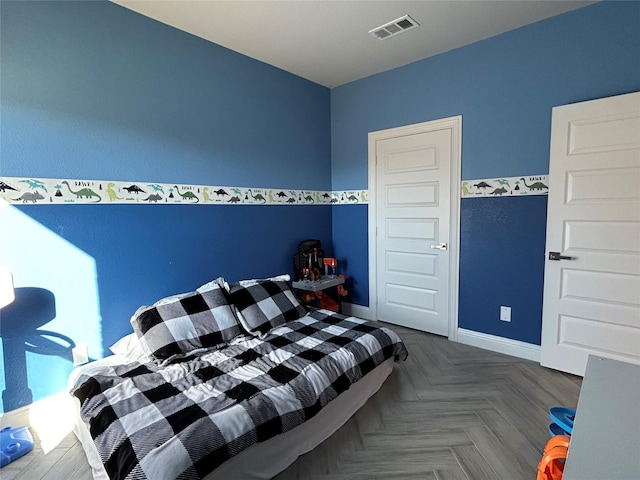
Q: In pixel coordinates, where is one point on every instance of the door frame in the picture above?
(455, 124)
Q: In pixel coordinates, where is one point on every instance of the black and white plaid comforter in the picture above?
(184, 419)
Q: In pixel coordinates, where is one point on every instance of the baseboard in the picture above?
(20, 417)
(356, 310)
(497, 344)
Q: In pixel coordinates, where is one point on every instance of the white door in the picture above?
(413, 190)
(592, 300)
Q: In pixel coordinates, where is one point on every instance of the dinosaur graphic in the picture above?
(237, 191)
(133, 189)
(334, 200)
(154, 197)
(293, 194)
(499, 191)
(291, 200)
(29, 197)
(34, 184)
(156, 187)
(503, 181)
(221, 191)
(257, 197)
(309, 198)
(205, 195)
(326, 195)
(534, 186)
(352, 198)
(186, 195)
(4, 186)
(83, 192)
(112, 193)
(482, 185)
(465, 189)
(281, 194)
(271, 199)
(363, 197)
(234, 199)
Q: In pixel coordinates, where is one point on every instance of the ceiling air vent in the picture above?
(399, 25)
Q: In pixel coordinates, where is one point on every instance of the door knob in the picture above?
(557, 256)
(439, 246)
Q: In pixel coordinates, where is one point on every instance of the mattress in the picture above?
(266, 459)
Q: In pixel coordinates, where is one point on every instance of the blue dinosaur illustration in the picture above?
(29, 197)
(83, 192)
(503, 181)
(34, 184)
(237, 191)
(156, 187)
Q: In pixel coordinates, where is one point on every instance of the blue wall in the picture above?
(92, 90)
(504, 88)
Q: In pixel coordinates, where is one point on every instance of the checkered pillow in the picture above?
(264, 304)
(182, 323)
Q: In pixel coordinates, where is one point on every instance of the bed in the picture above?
(229, 381)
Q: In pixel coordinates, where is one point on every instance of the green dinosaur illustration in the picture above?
(257, 197)
(83, 192)
(534, 186)
(112, 193)
(186, 195)
(271, 199)
(309, 198)
(363, 196)
(465, 189)
(352, 198)
(205, 195)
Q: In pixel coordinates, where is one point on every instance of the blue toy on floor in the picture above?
(14, 443)
(562, 418)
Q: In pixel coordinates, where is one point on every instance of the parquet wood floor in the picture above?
(450, 412)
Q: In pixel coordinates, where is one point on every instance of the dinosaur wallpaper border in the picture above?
(42, 191)
(32, 191)
(505, 186)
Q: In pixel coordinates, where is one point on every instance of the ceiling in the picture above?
(327, 41)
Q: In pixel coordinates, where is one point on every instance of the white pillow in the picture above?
(218, 282)
(247, 283)
(130, 348)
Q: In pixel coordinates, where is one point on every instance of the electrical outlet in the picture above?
(80, 354)
(505, 314)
